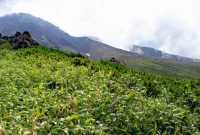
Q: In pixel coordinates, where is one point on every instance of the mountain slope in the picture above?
(46, 91)
(49, 35)
(147, 51)
(44, 32)
(95, 38)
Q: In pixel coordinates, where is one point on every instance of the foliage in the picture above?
(46, 91)
(4, 44)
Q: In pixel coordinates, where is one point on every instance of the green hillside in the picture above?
(158, 66)
(45, 91)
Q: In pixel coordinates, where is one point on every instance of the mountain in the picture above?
(44, 32)
(147, 51)
(50, 35)
(95, 38)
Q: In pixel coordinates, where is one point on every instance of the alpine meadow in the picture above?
(47, 91)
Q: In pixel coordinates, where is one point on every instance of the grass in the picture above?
(46, 91)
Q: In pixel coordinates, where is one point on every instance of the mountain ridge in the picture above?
(95, 38)
(64, 41)
(51, 36)
(148, 51)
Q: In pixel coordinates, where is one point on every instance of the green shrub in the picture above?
(46, 91)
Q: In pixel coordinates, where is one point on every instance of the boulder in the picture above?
(27, 33)
(117, 61)
(22, 40)
(5, 37)
(17, 34)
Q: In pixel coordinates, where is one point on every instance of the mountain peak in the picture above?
(20, 15)
(41, 30)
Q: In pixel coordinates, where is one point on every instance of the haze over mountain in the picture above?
(147, 51)
(49, 35)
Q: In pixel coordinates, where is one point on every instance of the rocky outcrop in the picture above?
(117, 61)
(20, 40)
(5, 37)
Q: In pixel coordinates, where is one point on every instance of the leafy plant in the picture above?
(46, 91)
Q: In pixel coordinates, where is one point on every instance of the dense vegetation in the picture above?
(46, 91)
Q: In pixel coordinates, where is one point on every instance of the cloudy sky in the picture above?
(172, 26)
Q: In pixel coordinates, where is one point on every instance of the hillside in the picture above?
(45, 33)
(46, 91)
(147, 51)
(49, 35)
(95, 38)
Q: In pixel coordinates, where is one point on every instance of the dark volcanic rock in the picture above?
(22, 40)
(117, 61)
(27, 34)
(17, 34)
(5, 37)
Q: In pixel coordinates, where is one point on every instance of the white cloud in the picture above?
(169, 25)
(174, 35)
(6, 6)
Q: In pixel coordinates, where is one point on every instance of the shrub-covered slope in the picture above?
(45, 91)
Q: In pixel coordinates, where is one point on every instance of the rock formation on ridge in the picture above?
(20, 40)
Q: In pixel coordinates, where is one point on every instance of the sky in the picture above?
(172, 26)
